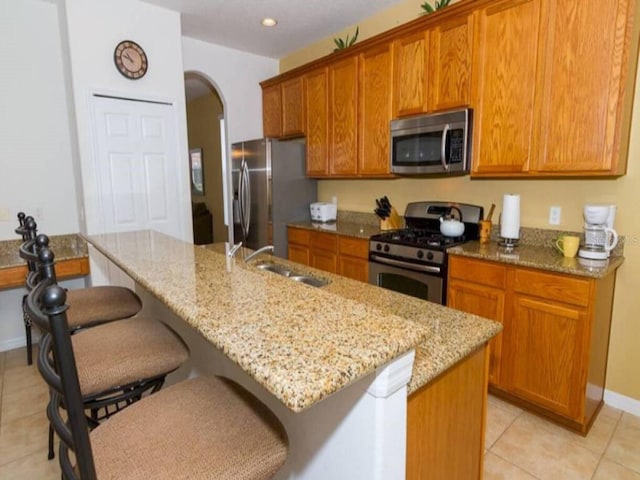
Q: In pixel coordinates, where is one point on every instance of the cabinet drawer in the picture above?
(299, 236)
(561, 288)
(324, 241)
(477, 271)
(355, 247)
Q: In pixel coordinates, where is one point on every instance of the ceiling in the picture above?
(236, 23)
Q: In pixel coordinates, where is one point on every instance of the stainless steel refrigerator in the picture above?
(270, 190)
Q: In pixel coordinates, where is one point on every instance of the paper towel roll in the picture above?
(510, 219)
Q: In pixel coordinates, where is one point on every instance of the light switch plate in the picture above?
(4, 214)
(554, 215)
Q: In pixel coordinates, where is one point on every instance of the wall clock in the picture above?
(130, 60)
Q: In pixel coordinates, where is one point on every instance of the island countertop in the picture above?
(301, 343)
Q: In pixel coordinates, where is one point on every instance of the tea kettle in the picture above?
(450, 226)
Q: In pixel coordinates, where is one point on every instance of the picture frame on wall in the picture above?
(197, 171)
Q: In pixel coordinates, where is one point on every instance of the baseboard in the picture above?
(12, 344)
(622, 402)
(18, 342)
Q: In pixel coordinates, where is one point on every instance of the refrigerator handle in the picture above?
(246, 198)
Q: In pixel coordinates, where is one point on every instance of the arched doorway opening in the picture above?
(205, 111)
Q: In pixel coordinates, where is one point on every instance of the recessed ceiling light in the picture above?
(269, 22)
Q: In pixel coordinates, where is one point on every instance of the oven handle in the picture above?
(410, 266)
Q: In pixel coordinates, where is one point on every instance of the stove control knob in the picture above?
(386, 248)
(430, 256)
(378, 247)
(420, 254)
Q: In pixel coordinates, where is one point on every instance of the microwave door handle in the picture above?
(443, 147)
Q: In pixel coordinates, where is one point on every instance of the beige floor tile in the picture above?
(496, 468)
(543, 453)
(598, 437)
(23, 436)
(24, 402)
(498, 420)
(33, 466)
(608, 470)
(625, 443)
(17, 358)
(20, 377)
(504, 405)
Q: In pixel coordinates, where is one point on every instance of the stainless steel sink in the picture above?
(296, 277)
(314, 282)
(275, 268)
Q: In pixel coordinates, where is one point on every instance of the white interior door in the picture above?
(137, 166)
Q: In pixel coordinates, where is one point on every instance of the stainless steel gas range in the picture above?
(413, 260)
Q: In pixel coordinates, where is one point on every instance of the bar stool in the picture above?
(90, 306)
(117, 362)
(208, 427)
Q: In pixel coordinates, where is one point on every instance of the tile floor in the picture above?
(520, 446)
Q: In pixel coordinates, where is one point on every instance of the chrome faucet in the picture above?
(233, 250)
(266, 248)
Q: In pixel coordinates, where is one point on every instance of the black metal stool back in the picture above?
(28, 230)
(56, 363)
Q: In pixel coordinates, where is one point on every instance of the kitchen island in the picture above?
(333, 363)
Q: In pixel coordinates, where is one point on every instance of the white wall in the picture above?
(36, 171)
(236, 76)
(94, 28)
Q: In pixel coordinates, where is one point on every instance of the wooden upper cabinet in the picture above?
(556, 110)
(283, 109)
(449, 73)
(376, 79)
(504, 86)
(410, 74)
(316, 104)
(343, 117)
(292, 108)
(272, 111)
(587, 46)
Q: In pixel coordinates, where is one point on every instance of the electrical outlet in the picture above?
(554, 215)
(4, 214)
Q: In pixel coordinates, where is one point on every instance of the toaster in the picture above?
(323, 212)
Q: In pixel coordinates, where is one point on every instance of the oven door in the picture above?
(420, 284)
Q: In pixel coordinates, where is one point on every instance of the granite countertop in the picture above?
(65, 247)
(453, 334)
(301, 343)
(340, 227)
(538, 256)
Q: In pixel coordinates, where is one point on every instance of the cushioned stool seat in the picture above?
(95, 305)
(124, 352)
(208, 427)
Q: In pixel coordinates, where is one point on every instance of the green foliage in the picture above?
(439, 4)
(347, 42)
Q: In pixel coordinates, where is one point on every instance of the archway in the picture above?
(205, 109)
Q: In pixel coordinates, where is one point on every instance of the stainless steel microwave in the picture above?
(432, 144)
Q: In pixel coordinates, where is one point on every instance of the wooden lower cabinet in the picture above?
(552, 354)
(446, 423)
(347, 256)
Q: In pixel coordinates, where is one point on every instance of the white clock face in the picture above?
(130, 59)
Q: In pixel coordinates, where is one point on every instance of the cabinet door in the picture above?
(323, 260)
(316, 95)
(376, 79)
(486, 302)
(543, 354)
(449, 76)
(343, 117)
(505, 95)
(292, 108)
(298, 254)
(410, 77)
(272, 111)
(354, 268)
(586, 42)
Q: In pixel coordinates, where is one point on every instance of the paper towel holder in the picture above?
(508, 243)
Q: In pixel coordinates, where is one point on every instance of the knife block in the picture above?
(393, 222)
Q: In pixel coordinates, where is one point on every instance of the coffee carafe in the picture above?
(599, 236)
